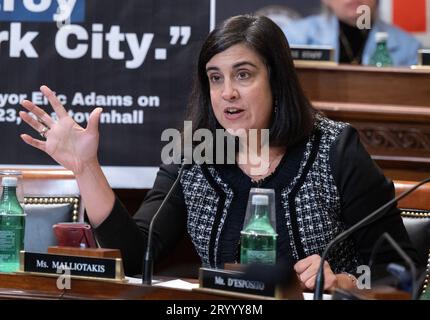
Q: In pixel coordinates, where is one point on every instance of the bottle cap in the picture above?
(9, 182)
(260, 199)
(381, 36)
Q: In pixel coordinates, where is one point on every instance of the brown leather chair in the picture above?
(425, 287)
(415, 211)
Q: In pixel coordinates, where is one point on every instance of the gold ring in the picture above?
(42, 122)
(43, 132)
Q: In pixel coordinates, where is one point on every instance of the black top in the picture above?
(361, 185)
(241, 185)
(352, 42)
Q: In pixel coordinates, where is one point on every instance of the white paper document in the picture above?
(177, 283)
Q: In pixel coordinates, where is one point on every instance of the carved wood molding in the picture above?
(401, 139)
(353, 112)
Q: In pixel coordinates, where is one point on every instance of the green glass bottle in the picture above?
(381, 57)
(258, 238)
(12, 222)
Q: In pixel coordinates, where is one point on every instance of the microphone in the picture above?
(407, 280)
(148, 261)
(319, 282)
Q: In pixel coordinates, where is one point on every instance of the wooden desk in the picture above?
(390, 107)
(367, 85)
(20, 286)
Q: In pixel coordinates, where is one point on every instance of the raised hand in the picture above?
(66, 142)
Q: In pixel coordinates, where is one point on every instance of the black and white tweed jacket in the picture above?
(311, 203)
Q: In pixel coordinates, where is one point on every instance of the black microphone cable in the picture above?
(148, 261)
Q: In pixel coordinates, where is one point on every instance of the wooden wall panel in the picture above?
(389, 107)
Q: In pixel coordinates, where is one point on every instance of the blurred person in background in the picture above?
(337, 27)
(282, 15)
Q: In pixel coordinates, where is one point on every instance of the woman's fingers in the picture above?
(43, 117)
(55, 103)
(34, 142)
(307, 267)
(308, 273)
(36, 125)
(329, 280)
(93, 122)
(310, 283)
(307, 270)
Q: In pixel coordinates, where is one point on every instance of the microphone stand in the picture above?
(148, 261)
(319, 281)
(402, 254)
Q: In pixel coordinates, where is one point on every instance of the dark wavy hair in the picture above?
(295, 115)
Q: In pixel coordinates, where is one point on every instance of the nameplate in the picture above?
(313, 54)
(234, 281)
(424, 57)
(75, 266)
